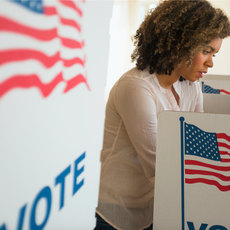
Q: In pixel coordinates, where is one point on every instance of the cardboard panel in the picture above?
(216, 103)
(51, 112)
(215, 86)
(216, 77)
(192, 189)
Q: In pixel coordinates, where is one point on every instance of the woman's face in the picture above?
(201, 62)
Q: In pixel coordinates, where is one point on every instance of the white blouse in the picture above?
(129, 147)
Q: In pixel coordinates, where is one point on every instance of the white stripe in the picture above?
(11, 41)
(224, 183)
(21, 15)
(18, 68)
(73, 71)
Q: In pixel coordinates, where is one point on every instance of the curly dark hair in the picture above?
(175, 30)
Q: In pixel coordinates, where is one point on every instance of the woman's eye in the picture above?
(206, 52)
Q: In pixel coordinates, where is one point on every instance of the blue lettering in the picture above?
(217, 227)
(21, 217)
(77, 172)
(3, 227)
(191, 226)
(44, 193)
(61, 179)
(20, 220)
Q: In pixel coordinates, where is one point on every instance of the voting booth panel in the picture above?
(216, 77)
(216, 84)
(53, 67)
(216, 103)
(192, 187)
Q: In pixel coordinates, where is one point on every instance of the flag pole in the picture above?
(182, 172)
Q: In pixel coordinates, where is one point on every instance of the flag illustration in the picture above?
(205, 158)
(41, 45)
(210, 90)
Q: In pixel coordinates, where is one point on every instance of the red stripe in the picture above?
(225, 160)
(207, 173)
(70, 22)
(223, 135)
(223, 153)
(43, 35)
(29, 81)
(224, 91)
(223, 145)
(72, 6)
(209, 182)
(26, 54)
(70, 43)
(75, 81)
(220, 168)
(50, 10)
(71, 62)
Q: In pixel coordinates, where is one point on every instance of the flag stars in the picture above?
(33, 5)
(200, 143)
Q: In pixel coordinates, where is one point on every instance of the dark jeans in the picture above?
(103, 225)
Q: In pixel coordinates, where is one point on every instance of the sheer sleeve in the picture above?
(135, 103)
(199, 102)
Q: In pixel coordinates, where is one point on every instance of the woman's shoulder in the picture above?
(133, 81)
(135, 73)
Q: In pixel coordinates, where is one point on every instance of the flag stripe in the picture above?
(70, 22)
(12, 26)
(224, 91)
(225, 160)
(50, 10)
(207, 173)
(26, 54)
(71, 5)
(223, 153)
(70, 43)
(22, 81)
(209, 182)
(71, 62)
(198, 163)
(223, 135)
(28, 81)
(75, 81)
(223, 145)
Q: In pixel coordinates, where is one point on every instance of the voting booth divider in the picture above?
(216, 92)
(53, 67)
(192, 187)
(216, 84)
(216, 103)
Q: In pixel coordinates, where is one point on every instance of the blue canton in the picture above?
(209, 89)
(34, 5)
(200, 143)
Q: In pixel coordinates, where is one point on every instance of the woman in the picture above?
(174, 47)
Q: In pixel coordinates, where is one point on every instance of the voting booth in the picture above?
(216, 103)
(53, 67)
(216, 92)
(216, 84)
(192, 187)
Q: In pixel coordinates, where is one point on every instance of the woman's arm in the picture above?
(135, 103)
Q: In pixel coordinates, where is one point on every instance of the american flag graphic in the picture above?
(210, 90)
(41, 45)
(206, 157)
